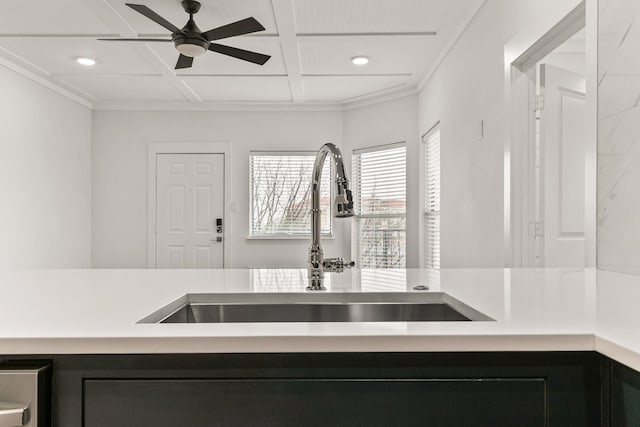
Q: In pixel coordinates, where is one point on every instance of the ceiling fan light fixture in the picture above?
(191, 42)
(360, 60)
(191, 50)
(87, 62)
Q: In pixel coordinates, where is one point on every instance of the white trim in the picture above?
(366, 100)
(213, 106)
(517, 185)
(421, 173)
(346, 105)
(10, 65)
(282, 153)
(431, 129)
(287, 237)
(591, 157)
(155, 148)
(367, 35)
(381, 147)
(521, 53)
(559, 33)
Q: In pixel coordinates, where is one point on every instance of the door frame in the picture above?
(520, 55)
(155, 148)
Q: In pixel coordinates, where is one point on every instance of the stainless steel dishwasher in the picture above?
(25, 398)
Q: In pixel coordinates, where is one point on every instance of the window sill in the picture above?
(280, 237)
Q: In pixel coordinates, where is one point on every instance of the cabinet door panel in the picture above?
(625, 396)
(315, 402)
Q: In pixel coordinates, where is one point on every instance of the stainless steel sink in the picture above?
(370, 307)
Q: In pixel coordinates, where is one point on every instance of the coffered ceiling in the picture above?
(310, 42)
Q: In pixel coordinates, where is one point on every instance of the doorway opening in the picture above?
(548, 176)
(556, 233)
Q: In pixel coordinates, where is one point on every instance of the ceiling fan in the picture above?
(190, 41)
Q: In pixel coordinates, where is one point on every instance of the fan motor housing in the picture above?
(198, 41)
(191, 6)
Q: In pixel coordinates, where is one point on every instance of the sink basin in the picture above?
(370, 307)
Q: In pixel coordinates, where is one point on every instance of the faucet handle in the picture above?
(336, 265)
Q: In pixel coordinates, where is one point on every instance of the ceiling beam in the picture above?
(368, 35)
(285, 20)
(317, 35)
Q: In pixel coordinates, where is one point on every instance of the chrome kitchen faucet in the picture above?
(343, 208)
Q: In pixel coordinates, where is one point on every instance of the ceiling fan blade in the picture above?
(184, 62)
(244, 26)
(245, 55)
(154, 17)
(137, 40)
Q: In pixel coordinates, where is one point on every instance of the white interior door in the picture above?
(190, 210)
(563, 142)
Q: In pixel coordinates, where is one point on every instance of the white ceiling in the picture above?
(310, 41)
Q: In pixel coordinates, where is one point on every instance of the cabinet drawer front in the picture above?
(315, 402)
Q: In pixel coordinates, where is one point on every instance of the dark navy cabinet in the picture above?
(315, 402)
(349, 389)
(625, 396)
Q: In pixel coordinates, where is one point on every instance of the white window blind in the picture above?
(379, 227)
(432, 197)
(280, 194)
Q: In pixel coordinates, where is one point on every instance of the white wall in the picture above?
(120, 140)
(469, 87)
(45, 208)
(386, 123)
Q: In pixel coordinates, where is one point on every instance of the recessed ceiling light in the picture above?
(360, 60)
(88, 62)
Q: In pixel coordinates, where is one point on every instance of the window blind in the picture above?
(280, 194)
(432, 198)
(380, 175)
(381, 280)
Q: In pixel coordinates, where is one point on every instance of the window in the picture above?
(379, 227)
(280, 194)
(432, 197)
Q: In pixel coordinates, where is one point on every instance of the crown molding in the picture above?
(380, 98)
(212, 106)
(377, 98)
(41, 80)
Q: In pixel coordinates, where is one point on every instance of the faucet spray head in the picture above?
(344, 203)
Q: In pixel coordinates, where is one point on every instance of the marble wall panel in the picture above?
(619, 136)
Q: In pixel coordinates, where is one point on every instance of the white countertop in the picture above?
(96, 312)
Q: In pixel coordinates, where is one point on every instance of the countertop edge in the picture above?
(300, 344)
(619, 353)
